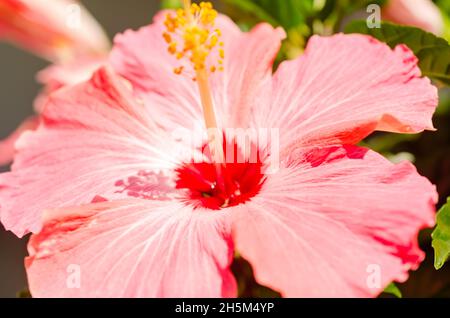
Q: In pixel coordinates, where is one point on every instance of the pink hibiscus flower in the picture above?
(131, 213)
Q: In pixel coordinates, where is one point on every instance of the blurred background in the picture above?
(429, 151)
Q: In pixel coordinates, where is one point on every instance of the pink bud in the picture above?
(57, 30)
(423, 14)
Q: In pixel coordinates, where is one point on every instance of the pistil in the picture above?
(194, 25)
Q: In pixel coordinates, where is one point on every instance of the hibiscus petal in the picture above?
(60, 75)
(134, 248)
(7, 146)
(142, 58)
(248, 64)
(94, 140)
(330, 219)
(343, 88)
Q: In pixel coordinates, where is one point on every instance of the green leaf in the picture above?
(384, 142)
(393, 290)
(441, 236)
(253, 8)
(444, 102)
(171, 4)
(444, 5)
(433, 52)
(290, 13)
(285, 13)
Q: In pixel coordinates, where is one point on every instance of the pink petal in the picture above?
(60, 75)
(48, 28)
(342, 89)
(248, 63)
(135, 248)
(142, 58)
(323, 223)
(423, 14)
(94, 140)
(7, 146)
(53, 78)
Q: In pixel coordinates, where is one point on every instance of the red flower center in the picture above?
(216, 186)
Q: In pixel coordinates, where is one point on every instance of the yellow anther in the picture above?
(214, 40)
(213, 69)
(167, 37)
(172, 48)
(194, 27)
(180, 13)
(206, 5)
(222, 53)
(178, 70)
(195, 8)
(170, 23)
